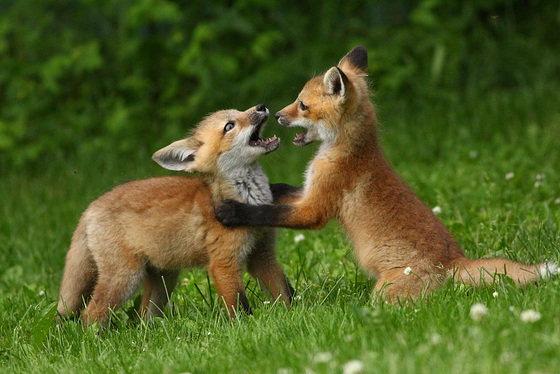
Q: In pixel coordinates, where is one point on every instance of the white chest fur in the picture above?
(252, 185)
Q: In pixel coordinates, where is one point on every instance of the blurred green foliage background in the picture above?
(79, 77)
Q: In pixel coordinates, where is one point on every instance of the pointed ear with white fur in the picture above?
(335, 82)
(179, 155)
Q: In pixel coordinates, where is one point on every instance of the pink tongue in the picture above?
(299, 137)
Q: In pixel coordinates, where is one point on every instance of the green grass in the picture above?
(454, 154)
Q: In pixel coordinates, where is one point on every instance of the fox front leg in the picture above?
(233, 214)
(283, 193)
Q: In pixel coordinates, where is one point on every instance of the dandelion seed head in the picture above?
(41, 293)
(353, 367)
(510, 175)
(495, 294)
(407, 271)
(473, 154)
(530, 316)
(557, 201)
(298, 238)
(538, 184)
(437, 209)
(478, 312)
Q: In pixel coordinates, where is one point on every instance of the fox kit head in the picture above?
(222, 142)
(329, 102)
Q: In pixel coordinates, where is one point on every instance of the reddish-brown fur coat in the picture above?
(350, 180)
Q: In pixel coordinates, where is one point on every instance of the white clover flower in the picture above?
(473, 154)
(185, 281)
(41, 293)
(322, 357)
(298, 238)
(298, 297)
(510, 175)
(530, 316)
(540, 177)
(538, 184)
(548, 269)
(495, 294)
(478, 312)
(511, 308)
(266, 302)
(353, 367)
(407, 271)
(437, 210)
(435, 338)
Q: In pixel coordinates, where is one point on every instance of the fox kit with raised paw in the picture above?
(396, 236)
(147, 231)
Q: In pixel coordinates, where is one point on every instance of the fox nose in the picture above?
(277, 116)
(261, 108)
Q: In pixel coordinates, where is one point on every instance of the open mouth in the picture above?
(299, 140)
(269, 144)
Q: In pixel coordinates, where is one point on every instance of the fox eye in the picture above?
(230, 125)
(302, 106)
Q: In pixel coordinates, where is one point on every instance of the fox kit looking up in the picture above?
(148, 230)
(350, 179)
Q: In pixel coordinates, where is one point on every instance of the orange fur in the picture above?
(146, 231)
(350, 180)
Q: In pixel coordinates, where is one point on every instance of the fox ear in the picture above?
(179, 155)
(335, 81)
(355, 59)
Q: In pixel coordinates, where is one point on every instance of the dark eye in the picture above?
(230, 125)
(302, 106)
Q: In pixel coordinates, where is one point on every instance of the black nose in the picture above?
(277, 115)
(261, 108)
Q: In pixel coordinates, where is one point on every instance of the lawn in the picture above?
(490, 163)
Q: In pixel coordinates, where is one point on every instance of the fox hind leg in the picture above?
(158, 286)
(397, 286)
(115, 285)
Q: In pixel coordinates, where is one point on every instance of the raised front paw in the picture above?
(228, 213)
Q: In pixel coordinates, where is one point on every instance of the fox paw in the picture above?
(227, 213)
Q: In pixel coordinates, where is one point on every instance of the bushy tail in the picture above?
(484, 271)
(80, 275)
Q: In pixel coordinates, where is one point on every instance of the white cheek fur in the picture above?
(240, 155)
